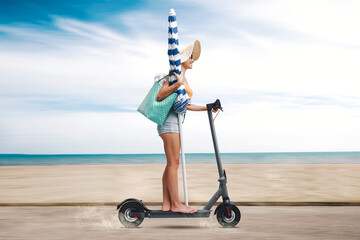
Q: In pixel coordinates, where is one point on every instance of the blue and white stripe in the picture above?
(175, 64)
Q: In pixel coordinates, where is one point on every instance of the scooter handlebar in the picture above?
(215, 105)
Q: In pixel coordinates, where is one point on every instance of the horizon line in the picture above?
(50, 154)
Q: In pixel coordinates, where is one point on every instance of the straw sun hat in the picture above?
(194, 49)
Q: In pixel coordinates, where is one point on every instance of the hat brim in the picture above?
(192, 49)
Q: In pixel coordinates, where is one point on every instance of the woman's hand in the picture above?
(179, 79)
(166, 89)
(215, 111)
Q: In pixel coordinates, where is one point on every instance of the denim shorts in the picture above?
(171, 124)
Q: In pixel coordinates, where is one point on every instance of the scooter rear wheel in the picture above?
(125, 214)
(228, 216)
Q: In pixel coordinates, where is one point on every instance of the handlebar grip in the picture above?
(215, 105)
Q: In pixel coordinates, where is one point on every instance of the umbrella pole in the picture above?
(180, 116)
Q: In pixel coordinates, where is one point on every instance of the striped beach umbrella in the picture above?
(183, 99)
(175, 64)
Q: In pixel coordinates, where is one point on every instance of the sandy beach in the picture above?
(114, 183)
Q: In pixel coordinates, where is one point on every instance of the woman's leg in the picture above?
(170, 177)
(166, 206)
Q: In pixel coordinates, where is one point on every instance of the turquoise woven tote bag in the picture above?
(153, 109)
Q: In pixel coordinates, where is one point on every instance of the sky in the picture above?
(72, 74)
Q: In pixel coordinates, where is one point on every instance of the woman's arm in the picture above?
(193, 107)
(166, 90)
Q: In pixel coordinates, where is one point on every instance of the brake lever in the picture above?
(217, 113)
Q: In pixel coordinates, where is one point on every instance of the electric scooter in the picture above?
(133, 211)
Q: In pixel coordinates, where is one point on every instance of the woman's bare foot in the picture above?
(165, 207)
(182, 208)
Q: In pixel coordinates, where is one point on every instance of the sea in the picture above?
(78, 159)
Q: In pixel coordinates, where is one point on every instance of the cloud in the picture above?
(328, 22)
(316, 18)
(88, 31)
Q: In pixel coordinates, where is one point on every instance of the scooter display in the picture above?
(131, 212)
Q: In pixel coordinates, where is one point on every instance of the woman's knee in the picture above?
(173, 163)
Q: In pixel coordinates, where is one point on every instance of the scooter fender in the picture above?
(132, 200)
(221, 205)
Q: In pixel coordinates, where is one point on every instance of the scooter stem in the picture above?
(216, 105)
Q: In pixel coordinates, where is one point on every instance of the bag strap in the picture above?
(158, 81)
(163, 77)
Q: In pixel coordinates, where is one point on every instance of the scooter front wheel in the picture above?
(228, 216)
(127, 216)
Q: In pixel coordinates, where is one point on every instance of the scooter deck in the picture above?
(170, 214)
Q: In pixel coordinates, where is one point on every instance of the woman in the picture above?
(169, 132)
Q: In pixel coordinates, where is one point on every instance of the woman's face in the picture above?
(188, 63)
